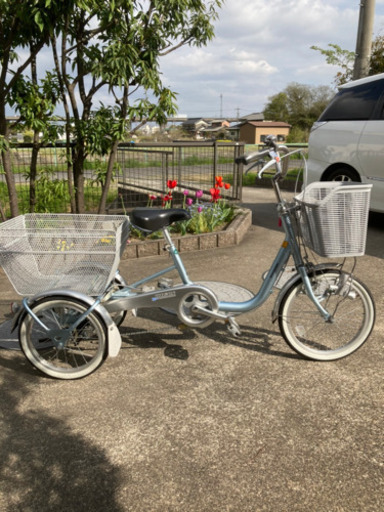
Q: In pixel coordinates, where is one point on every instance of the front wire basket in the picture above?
(41, 252)
(333, 218)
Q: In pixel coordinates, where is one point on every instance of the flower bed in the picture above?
(216, 223)
(233, 234)
(206, 217)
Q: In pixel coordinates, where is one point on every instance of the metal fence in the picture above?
(145, 170)
(142, 170)
(52, 191)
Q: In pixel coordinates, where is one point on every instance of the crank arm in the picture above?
(208, 312)
(230, 322)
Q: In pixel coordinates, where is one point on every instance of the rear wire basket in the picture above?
(41, 252)
(334, 217)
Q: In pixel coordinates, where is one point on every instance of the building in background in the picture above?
(250, 129)
(254, 132)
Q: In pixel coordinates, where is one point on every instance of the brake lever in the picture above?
(256, 164)
(266, 166)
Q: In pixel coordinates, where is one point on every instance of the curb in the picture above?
(232, 235)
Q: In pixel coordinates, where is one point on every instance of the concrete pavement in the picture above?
(236, 425)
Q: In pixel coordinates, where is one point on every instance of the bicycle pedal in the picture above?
(233, 327)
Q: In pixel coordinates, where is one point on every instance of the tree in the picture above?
(345, 59)
(35, 103)
(23, 24)
(109, 46)
(277, 108)
(377, 56)
(117, 45)
(299, 105)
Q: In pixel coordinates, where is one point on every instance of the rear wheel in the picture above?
(60, 351)
(345, 298)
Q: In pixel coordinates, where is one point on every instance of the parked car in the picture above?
(347, 141)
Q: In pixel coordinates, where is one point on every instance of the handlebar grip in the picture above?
(247, 159)
(241, 160)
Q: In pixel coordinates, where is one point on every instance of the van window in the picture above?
(354, 103)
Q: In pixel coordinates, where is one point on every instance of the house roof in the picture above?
(215, 129)
(256, 116)
(269, 124)
(196, 123)
(193, 119)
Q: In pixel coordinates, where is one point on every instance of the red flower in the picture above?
(215, 194)
(219, 181)
(166, 198)
(227, 186)
(171, 184)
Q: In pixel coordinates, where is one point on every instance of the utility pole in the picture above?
(364, 39)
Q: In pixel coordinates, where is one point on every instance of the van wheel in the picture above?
(343, 174)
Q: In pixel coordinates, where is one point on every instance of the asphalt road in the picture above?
(235, 425)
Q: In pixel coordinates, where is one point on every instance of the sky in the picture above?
(261, 46)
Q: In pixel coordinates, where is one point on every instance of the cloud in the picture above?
(217, 63)
(260, 47)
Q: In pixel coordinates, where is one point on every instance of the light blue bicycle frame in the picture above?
(288, 248)
(131, 296)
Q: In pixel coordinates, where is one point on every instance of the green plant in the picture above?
(206, 217)
(49, 192)
(100, 171)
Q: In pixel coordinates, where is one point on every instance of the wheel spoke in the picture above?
(81, 353)
(308, 333)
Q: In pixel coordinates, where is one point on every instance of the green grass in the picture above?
(251, 179)
(92, 195)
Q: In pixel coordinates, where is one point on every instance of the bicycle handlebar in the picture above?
(248, 159)
(273, 151)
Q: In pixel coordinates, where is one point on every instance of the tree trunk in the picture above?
(108, 178)
(113, 153)
(69, 156)
(68, 149)
(6, 159)
(33, 173)
(35, 148)
(78, 177)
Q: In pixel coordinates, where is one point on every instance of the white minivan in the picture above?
(347, 141)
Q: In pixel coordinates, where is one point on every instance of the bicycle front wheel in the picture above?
(62, 352)
(308, 333)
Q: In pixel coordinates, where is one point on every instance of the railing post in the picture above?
(214, 161)
(238, 171)
(179, 164)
